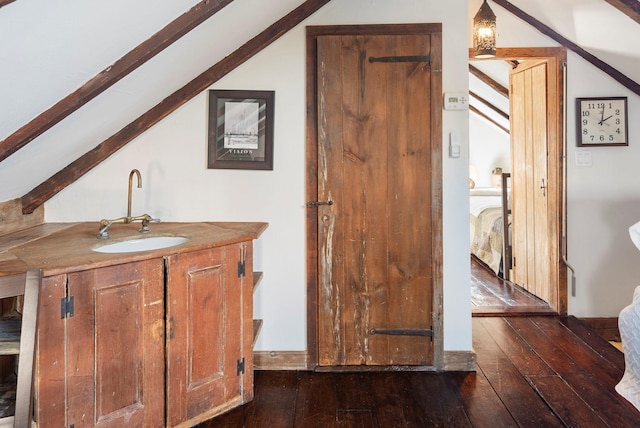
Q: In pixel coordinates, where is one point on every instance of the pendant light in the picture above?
(484, 32)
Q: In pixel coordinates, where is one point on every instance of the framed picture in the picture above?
(241, 129)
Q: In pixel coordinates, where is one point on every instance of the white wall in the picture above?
(489, 147)
(179, 187)
(603, 199)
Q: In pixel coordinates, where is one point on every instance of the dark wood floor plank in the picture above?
(531, 372)
(441, 406)
(566, 404)
(481, 297)
(273, 404)
(482, 404)
(317, 404)
(587, 358)
(521, 311)
(394, 399)
(521, 354)
(524, 404)
(595, 390)
(346, 418)
(591, 338)
(274, 395)
(493, 296)
(350, 391)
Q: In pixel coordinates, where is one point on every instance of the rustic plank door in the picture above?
(375, 155)
(529, 145)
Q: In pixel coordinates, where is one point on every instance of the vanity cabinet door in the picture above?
(115, 346)
(207, 358)
(50, 365)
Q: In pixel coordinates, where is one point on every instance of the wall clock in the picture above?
(602, 121)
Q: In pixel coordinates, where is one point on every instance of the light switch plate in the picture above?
(454, 145)
(583, 158)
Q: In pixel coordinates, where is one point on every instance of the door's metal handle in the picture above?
(318, 203)
(544, 188)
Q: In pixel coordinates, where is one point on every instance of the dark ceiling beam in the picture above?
(5, 2)
(111, 75)
(487, 118)
(631, 8)
(548, 31)
(513, 63)
(489, 104)
(85, 163)
(489, 81)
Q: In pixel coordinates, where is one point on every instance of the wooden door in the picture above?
(530, 149)
(376, 161)
(207, 300)
(115, 360)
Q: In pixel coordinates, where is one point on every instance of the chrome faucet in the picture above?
(145, 219)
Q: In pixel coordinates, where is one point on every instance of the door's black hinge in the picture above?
(514, 262)
(414, 58)
(403, 332)
(241, 366)
(241, 268)
(66, 307)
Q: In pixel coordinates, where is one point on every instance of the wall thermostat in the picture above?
(456, 101)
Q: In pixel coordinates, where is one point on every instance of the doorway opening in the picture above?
(516, 147)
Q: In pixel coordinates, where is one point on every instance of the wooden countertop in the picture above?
(67, 247)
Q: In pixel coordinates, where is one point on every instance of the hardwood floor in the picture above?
(540, 371)
(491, 295)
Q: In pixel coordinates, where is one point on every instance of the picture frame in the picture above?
(240, 129)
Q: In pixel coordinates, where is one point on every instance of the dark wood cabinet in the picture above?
(101, 353)
(152, 343)
(209, 355)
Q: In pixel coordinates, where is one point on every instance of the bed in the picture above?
(487, 217)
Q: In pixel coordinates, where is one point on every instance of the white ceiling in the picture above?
(594, 25)
(52, 47)
(59, 45)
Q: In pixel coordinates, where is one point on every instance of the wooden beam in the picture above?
(548, 31)
(5, 2)
(111, 75)
(489, 104)
(85, 163)
(489, 81)
(631, 8)
(513, 63)
(485, 117)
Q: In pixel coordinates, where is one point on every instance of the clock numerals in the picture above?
(602, 121)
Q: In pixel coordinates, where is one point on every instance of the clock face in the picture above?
(602, 121)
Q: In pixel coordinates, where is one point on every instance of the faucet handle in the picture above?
(103, 233)
(146, 218)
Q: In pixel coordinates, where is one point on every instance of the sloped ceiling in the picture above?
(50, 49)
(606, 29)
(58, 46)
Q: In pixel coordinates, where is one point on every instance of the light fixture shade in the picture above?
(484, 32)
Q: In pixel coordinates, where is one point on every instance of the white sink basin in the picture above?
(141, 244)
(634, 232)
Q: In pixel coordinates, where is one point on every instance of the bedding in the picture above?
(486, 226)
